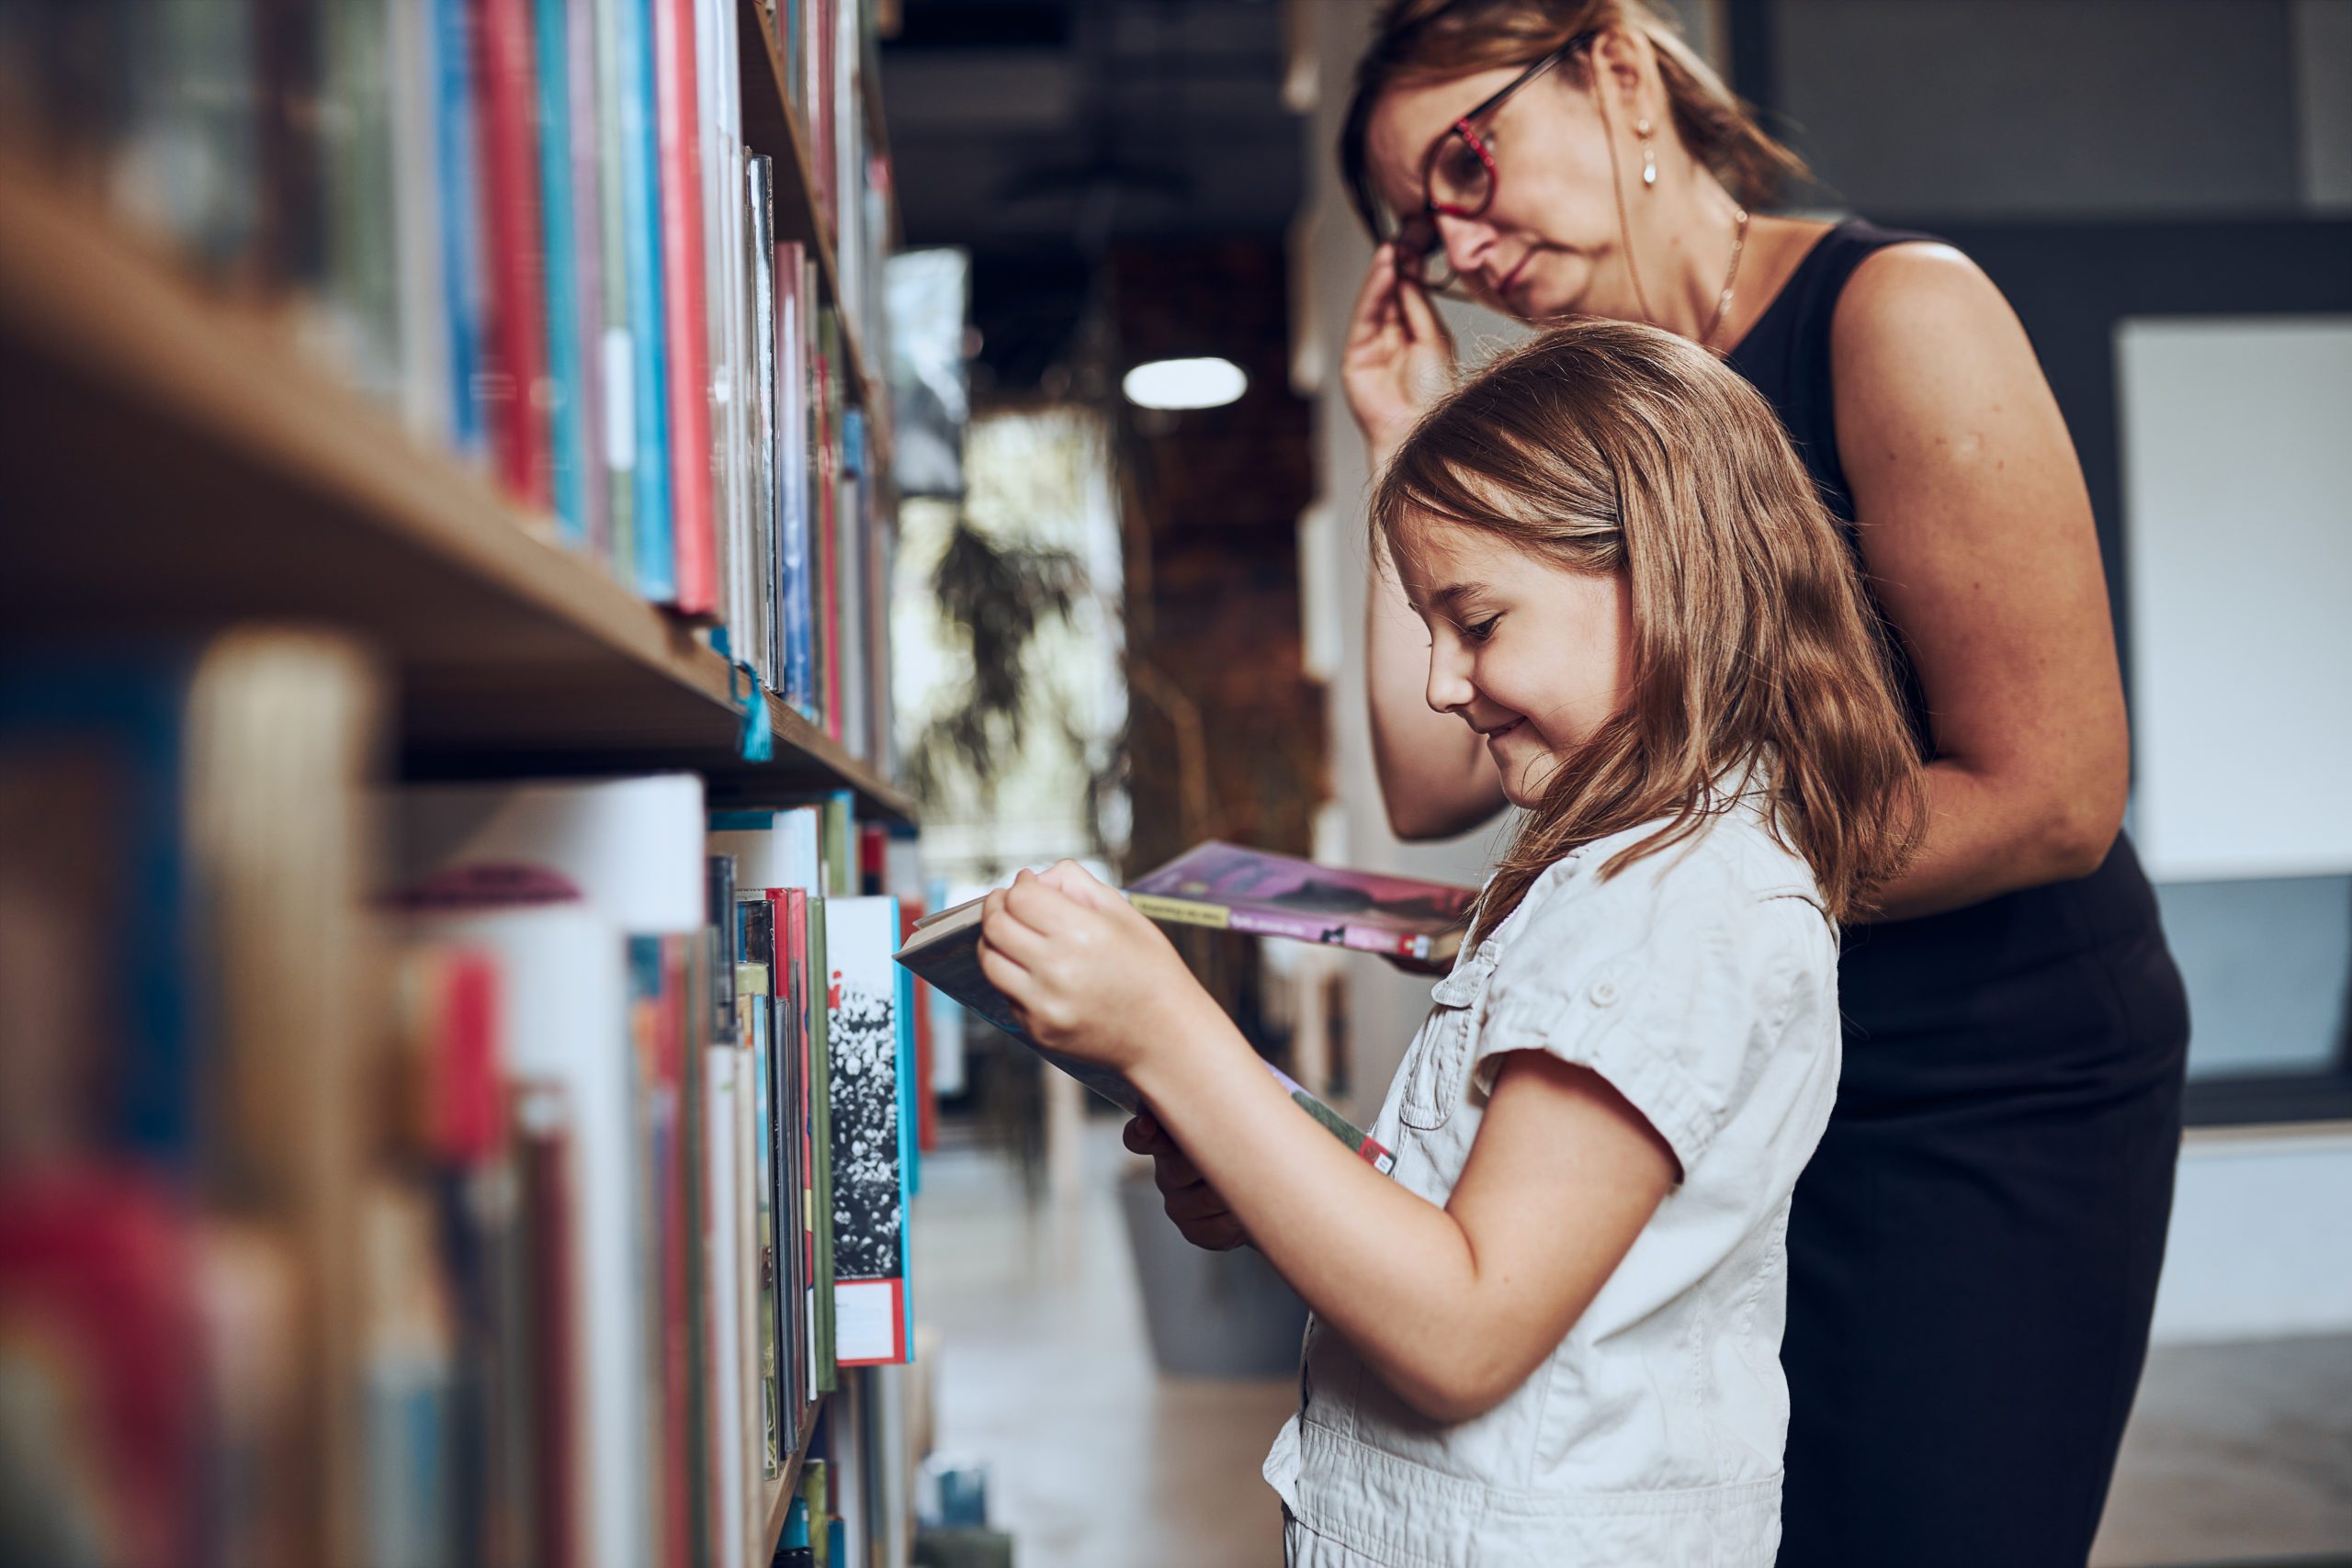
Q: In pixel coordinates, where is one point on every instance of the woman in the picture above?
(1974, 1252)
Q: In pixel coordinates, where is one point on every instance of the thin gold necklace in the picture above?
(1731, 277)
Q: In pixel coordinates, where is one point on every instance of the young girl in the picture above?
(1553, 1335)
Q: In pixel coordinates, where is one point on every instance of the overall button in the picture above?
(1604, 993)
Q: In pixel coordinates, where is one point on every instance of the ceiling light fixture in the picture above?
(1184, 384)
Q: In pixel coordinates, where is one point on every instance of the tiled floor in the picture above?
(2239, 1453)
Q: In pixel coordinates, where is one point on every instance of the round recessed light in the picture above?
(1184, 384)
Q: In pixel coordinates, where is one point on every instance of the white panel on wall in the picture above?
(2257, 1248)
(2237, 528)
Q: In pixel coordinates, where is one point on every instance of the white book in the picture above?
(869, 1045)
(773, 849)
(630, 850)
(563, 1020)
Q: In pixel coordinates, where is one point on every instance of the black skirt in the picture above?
(1974, 1252)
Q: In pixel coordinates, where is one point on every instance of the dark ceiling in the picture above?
(1076, 124)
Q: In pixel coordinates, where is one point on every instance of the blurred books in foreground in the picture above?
(468, 1174)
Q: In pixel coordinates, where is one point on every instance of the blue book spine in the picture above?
(568, 421)
(125, 715)
(794, 603)
(657, 572)
(912, 1089)
(461, 271)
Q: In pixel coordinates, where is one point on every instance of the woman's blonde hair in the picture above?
(1416, 43)
(1603, 446)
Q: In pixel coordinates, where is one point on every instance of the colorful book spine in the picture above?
(809, 933)
(617, 338)
(642, 204)
(461, 273)
(425, 387)
(760, 510)
(543, 1140)
(794, 605)
(829, 523)
(687, 305)
(513, 384)
(584, 133)
(570, 267)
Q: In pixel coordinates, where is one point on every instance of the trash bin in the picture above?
(1211, 1314)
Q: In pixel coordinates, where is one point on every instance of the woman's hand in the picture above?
(1398, 359)
(1198, 1209)
(1087, 976)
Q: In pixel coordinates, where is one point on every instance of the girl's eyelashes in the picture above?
(1479, 631)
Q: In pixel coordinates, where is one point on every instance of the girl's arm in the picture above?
(1977, 533)
(1435, 777)
(1453, 1306)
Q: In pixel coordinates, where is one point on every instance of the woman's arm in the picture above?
(1977, 533)
(1435, 777)
(1454, 1308)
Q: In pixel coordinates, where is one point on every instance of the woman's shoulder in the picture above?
(1909, 293)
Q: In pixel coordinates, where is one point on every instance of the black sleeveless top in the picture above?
(1957, 971)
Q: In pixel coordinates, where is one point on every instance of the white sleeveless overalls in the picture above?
(1702, 983)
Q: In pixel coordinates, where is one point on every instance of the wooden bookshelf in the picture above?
(780, 1492)
(770, 127)
(171, 462)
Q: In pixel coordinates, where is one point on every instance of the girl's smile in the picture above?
(1530, 655)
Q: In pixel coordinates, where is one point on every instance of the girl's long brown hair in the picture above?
(1603, 446)
(1418, 41)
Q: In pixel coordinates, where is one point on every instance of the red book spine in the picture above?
(686, 306)
(515, 394)
(803, 1045)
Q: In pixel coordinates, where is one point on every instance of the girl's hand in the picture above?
(1198, 1209)
(1398, 359)
(1087, 975)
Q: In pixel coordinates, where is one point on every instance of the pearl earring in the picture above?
(1649, 154)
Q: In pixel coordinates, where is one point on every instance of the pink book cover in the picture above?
(1232, 888)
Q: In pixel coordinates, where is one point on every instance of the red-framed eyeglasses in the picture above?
(1458, 178)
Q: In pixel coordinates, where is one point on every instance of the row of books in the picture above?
(532, 228)
(497, 1173)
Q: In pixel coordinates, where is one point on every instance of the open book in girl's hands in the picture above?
(945, 950)
(1232, 888)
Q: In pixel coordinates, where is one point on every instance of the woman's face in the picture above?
(1550, 244)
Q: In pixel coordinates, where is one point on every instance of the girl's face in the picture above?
(1532, 656)
(1550, 244)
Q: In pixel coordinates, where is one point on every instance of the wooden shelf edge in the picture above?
(780, 1508)
(77, 291)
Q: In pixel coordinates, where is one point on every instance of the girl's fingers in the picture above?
(1189, 1205)
(1215, 1235)
(1013, 936)
(1175, 1171)
(1017, 984)
(1074, 882)
(1038, 904)
(1143, 1136)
